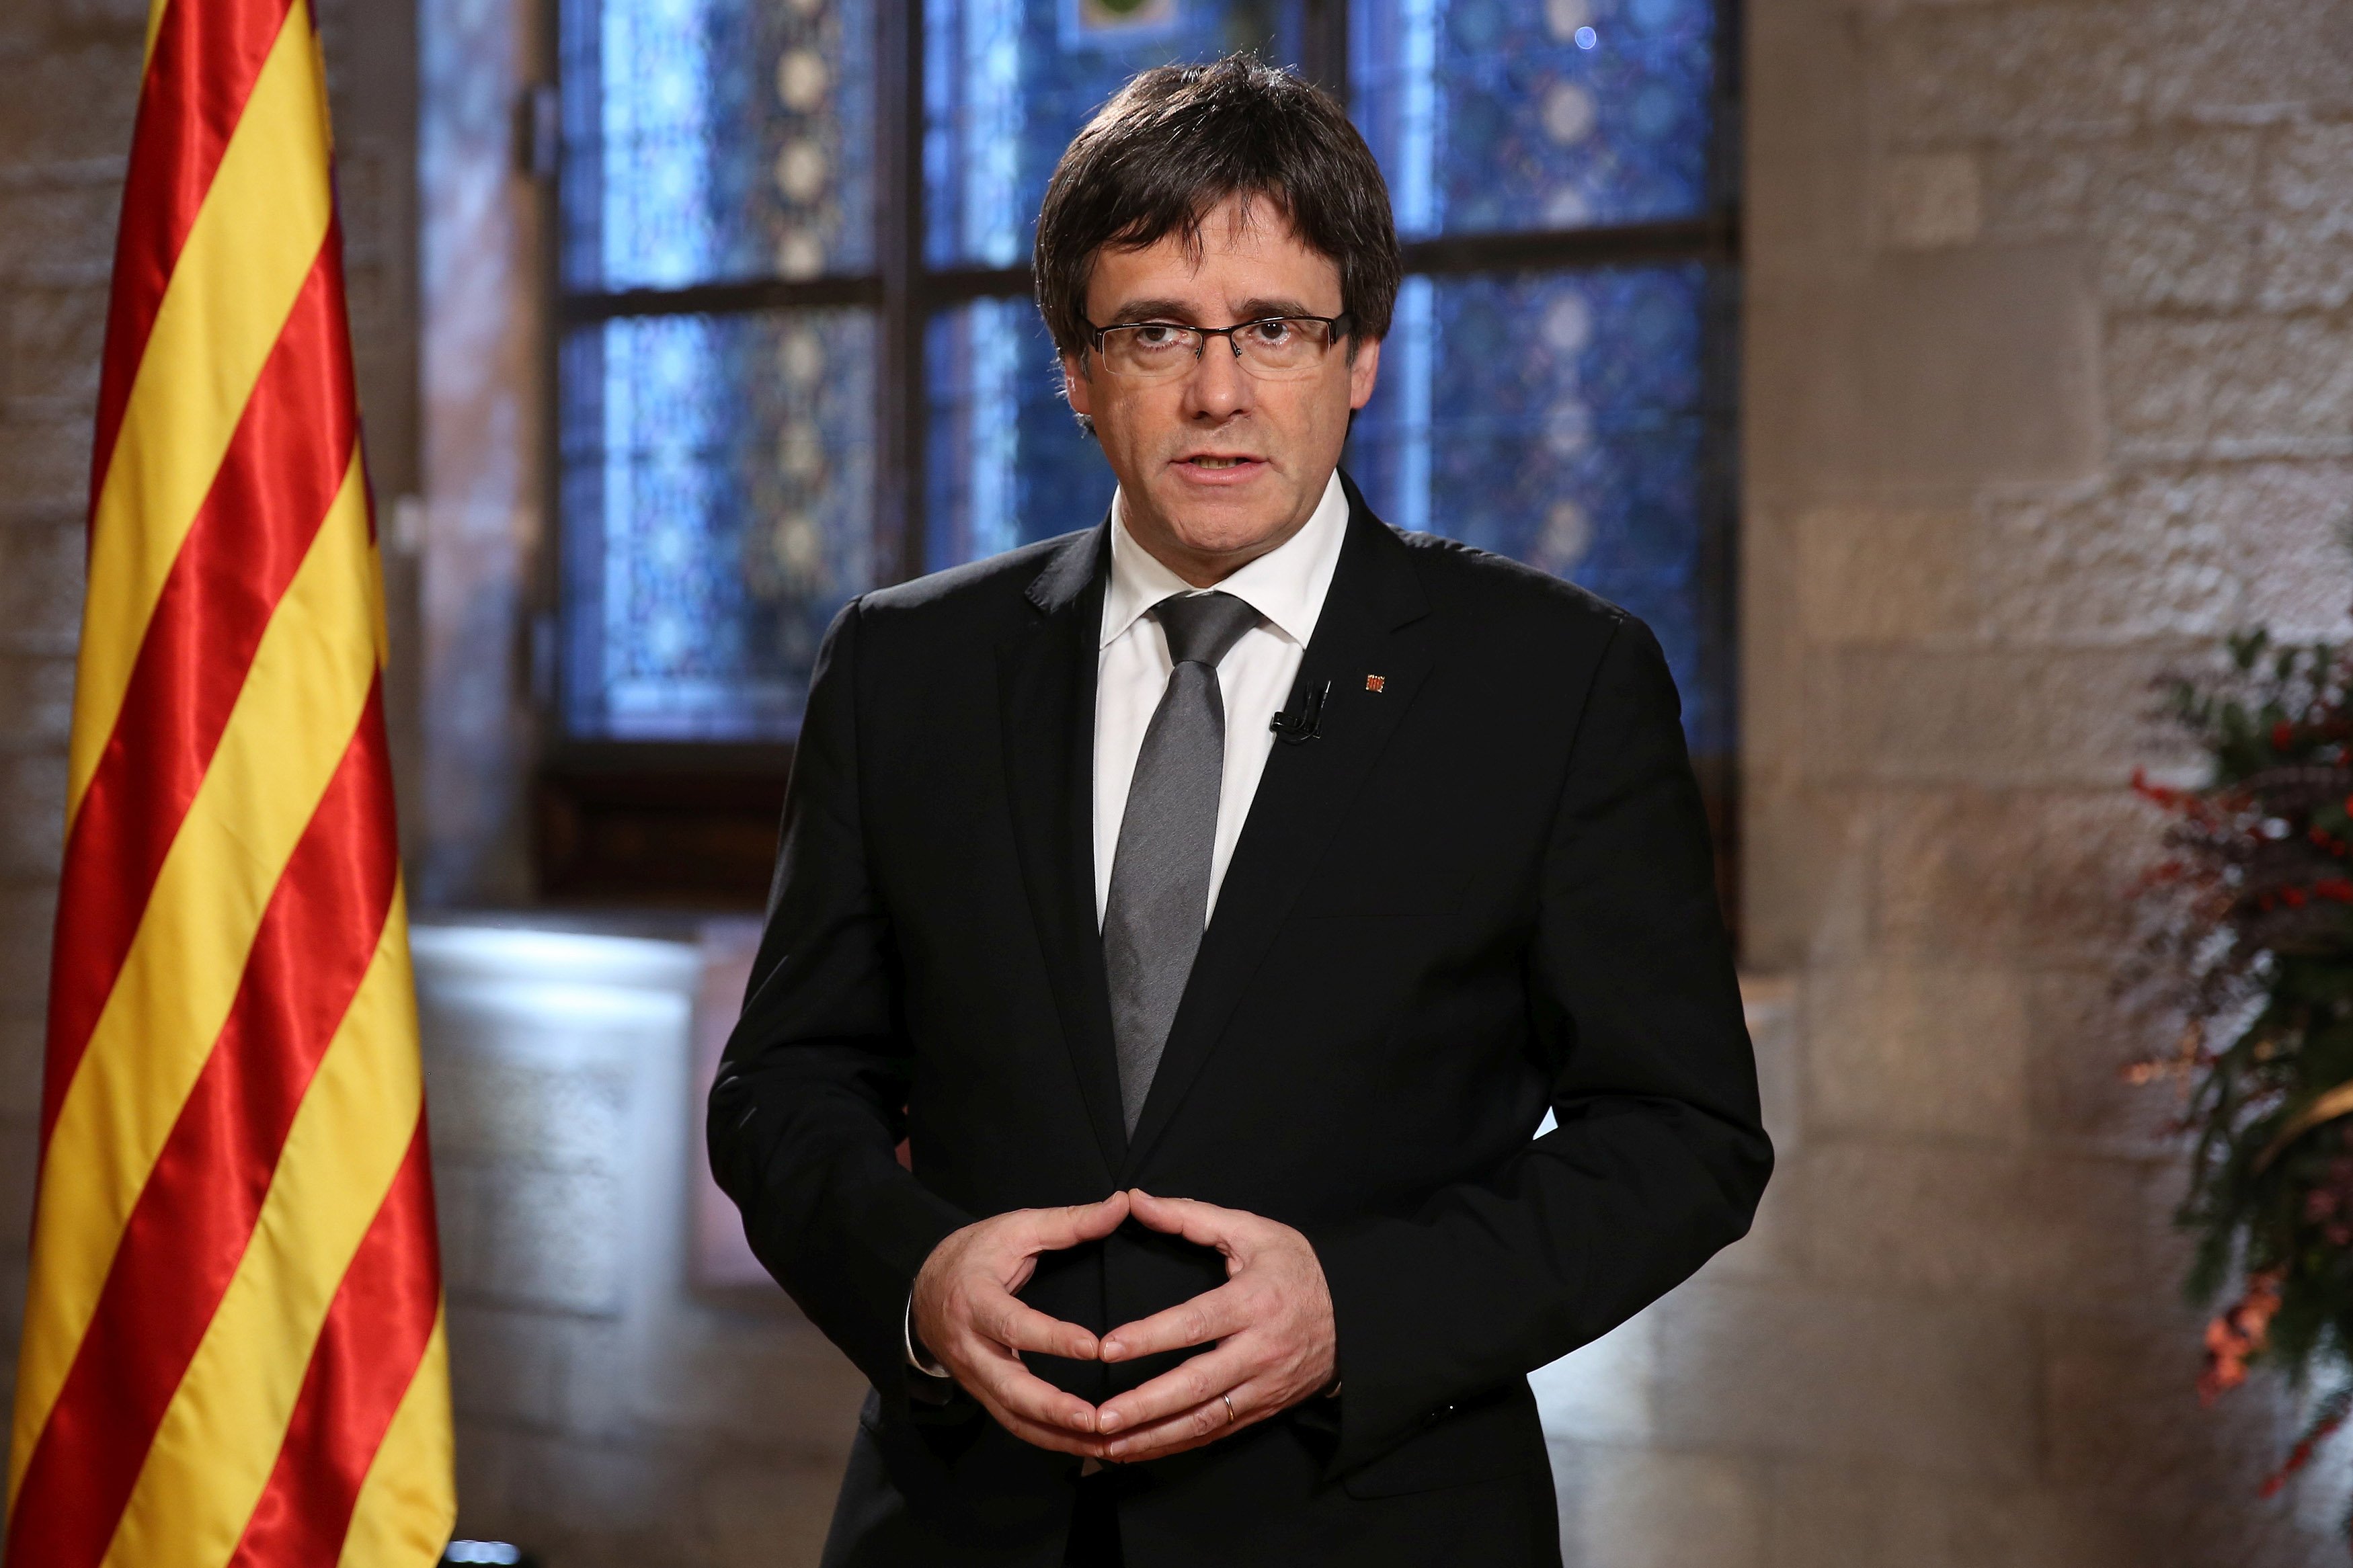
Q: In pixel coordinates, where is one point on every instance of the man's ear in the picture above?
(1076, 387)
(1364, 370)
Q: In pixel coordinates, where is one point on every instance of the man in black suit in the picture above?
(1216, 901)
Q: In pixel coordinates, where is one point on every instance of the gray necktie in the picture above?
(1160, 876)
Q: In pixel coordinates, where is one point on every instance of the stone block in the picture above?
(1880, 574)
(520, 1115)
(1806, 855)
(2042, 878)
(32, 813)
(2289, 525)
(1949, 74)
(1871, 1516)
(2307, 235)
(1960, 73)
(458, 1201)
(574, 1501)
(1633, 1507)
(27, 915)
(1941, 372)
(36, 698)
(766, 1513)
(1929, 200)
(57, 338)
(1933, 1051)
(2118, 562)
(98, 76)
(1805, 213)
(118, 15)
(2171, 553)
(44, 453)
(41, 576)
(2169, 207)
(16, 1273)
(20, 1152)
(1955, 1221)
(57, 218)
(1980, 365)
(2122, 1416)
(1941, 1387)
(2242, 387)
(507, 1366)
(1772, 645)
(2170, 211)
(23, 1036)
(764, 1377)
(1802, 386)
(2081, 1037)
(1992, 718)
(545, 1239)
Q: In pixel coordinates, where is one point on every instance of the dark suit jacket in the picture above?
(1481, 892)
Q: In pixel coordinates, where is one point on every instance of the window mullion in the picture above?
(899, 219)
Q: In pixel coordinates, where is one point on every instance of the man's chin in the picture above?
(1241, 518)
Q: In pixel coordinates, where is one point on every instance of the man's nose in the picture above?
(1219, 387)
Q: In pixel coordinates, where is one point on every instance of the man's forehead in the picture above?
(1245, 249)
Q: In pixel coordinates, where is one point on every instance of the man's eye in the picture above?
(1158, 337)
(1271, 333)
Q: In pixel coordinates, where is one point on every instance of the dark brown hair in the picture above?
(1177, 141)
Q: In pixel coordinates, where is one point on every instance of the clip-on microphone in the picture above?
(1296, 728)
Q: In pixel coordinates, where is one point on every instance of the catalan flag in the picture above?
(233, 1353)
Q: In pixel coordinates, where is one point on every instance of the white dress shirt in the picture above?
(1286, 585)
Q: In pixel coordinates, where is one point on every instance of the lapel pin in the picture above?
(1377, 683)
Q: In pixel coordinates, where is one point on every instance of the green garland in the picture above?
(2249, 941)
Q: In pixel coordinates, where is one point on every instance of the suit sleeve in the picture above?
(809, 1103)
(1659, 1155)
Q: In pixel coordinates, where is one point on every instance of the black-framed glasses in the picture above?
(1272, 348)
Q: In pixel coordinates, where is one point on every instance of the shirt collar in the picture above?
(1286, 585)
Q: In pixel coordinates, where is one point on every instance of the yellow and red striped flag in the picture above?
(233, 1353)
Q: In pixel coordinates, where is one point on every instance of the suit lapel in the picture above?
(1046, 681)
(1368, 627)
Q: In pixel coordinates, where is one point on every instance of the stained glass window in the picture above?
(718, 497)
(1008, 82)
(1535, 115)
(717, 141)
(1008, 463)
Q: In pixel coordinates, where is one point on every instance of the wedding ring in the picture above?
(1230, 1407)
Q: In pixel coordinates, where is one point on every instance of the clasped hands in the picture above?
(1272, 1321)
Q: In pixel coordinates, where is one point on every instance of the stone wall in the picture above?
(2049, 383)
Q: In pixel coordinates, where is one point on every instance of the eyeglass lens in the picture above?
(1277, 347)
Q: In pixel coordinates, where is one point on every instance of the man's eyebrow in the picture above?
(1151, 309)
(1258, 310)
(1254, 310)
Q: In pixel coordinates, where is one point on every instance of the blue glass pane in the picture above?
(1560, 419)
(713, 140)
(1008, 83)
(718, 477)
(1490, 115)
(1007, 461)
